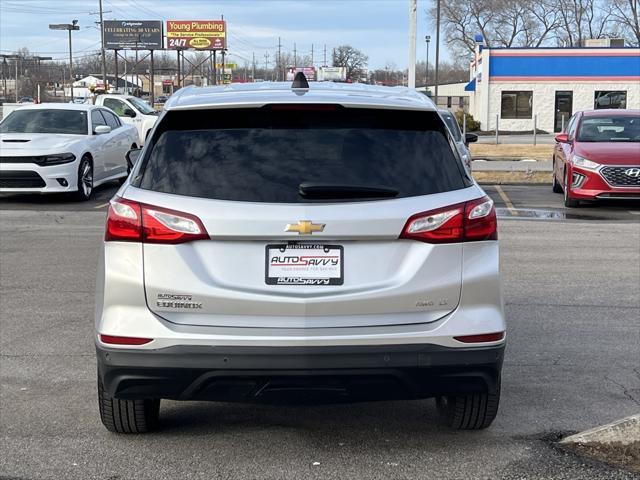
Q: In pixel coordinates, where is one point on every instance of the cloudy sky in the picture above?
(378, 27)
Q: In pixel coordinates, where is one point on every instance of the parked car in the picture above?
(279, 238)
(462, 144)
(132, 111)
(62, 147)
(162, 98)
(597, 157)
(26, 100)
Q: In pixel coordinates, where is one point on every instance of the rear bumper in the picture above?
(262, 374)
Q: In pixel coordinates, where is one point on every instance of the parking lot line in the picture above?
(506, 200)
(102, 205)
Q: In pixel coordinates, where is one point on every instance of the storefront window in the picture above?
(517, 105)
(610, 99)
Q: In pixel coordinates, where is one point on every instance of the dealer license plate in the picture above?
(304, 264)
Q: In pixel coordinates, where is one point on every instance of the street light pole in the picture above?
(437, 48)
(69, 27)
(71, 66)
(411, 70)
(426, 66)
(104, 58)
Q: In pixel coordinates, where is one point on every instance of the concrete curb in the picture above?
(512, 177)
(622, 432)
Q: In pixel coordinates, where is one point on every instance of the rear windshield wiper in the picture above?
(341, 190)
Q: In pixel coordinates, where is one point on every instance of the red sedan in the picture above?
(597, 157)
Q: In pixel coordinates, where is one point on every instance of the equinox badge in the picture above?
(304, 227)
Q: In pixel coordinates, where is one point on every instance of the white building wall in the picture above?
(544, 101)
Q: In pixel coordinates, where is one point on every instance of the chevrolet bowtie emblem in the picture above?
(304, 227)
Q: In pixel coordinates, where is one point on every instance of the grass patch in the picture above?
(508, 151)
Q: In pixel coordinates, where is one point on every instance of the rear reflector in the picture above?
(114, 340)
(129, 221)
(485, 337)
(463, 222)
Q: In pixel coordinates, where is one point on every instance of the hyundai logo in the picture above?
(632, 172)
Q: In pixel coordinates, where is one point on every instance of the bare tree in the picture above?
(583, 19)
(625, 13)
(353, 59)
(545, 18)
(531, 23)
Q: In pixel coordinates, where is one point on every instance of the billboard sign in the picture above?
(133, 34)
(197, 34)
(309, 72)
(335, 74)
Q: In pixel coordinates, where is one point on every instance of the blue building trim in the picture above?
(564, 66)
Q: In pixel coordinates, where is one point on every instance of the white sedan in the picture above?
(57, 147)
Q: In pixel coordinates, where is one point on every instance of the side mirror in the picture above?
(101, 129)
(470, 138)
(129, 113)
(132, 157)
(562, 138)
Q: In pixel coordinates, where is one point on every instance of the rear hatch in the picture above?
(304, 206)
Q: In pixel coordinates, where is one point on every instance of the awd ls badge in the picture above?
(304, 227)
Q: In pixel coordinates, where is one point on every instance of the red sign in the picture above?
(197, 34)
(309, 72)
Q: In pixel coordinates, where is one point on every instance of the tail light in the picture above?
(463, 222)
(129, 221)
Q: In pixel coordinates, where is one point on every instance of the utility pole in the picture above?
(266, 63)
(312, 54)
(279, 68)
(15, 83)
(253, 70)
(104, 58)
(215, 69)
(295, 57)
(324, 63)
(223, 53)
(437, 49)
(413, 21)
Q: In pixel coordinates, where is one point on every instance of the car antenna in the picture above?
(300, 81)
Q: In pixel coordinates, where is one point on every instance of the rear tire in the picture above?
(127, 416)
(556, 187)
(469, 412)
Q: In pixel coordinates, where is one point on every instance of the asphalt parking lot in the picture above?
(573, 361)
(515, 201)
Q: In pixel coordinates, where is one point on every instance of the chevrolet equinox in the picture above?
(276, 239)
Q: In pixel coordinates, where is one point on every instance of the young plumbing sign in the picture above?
(197, 34)
(133, 34)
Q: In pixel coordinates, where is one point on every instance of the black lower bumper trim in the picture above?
(275, 373)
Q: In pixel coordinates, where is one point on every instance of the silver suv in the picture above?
(320, 242)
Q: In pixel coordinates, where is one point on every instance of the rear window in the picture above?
(265, 154)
